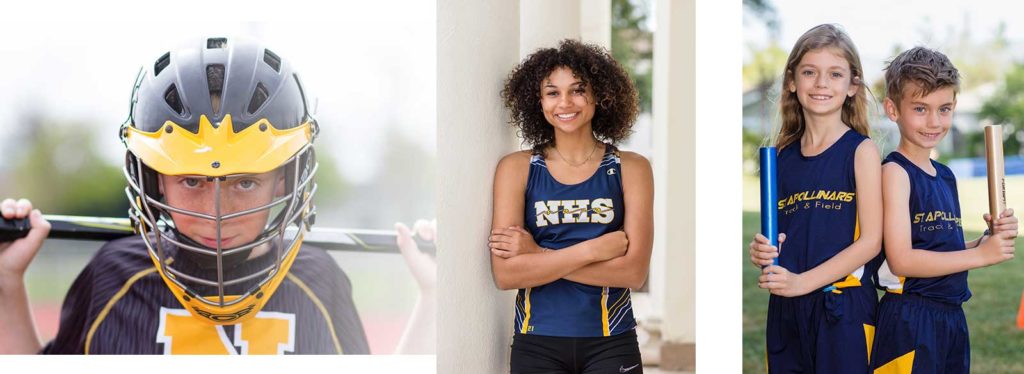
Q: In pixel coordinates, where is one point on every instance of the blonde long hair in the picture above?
(855, 109)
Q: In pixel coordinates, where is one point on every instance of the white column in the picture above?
(596, 22)
(542, 23)
(674, 167)
(477, 45)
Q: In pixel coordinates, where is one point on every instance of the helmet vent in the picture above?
(172, 99)
(258, 97)
(216, 43)
(161, 63)
(271, 59)
(215, 82)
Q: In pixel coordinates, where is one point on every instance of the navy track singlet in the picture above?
(818, 207)
(935, 226)
(559, 216)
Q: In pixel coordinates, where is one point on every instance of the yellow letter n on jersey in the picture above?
(266, 334)
(553, 212)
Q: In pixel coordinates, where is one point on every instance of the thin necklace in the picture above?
(580, 164)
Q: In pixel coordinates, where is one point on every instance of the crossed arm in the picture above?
(616, 259)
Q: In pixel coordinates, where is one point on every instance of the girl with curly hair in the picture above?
(572, 223)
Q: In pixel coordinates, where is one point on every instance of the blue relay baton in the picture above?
(769, 196)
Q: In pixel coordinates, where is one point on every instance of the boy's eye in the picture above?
(919, 109)
(191, 182)
(247, 184)
(946, 109)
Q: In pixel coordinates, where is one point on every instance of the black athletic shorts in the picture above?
(535, 354)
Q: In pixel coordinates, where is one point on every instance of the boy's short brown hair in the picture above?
(928, 69)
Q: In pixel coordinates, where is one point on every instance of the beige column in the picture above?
(596, 22)
(477, 45)
(542, 23)
(673, 266)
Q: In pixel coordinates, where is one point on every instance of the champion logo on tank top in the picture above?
(561, 215)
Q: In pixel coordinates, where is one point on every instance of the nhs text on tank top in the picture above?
(935, 226)
(559, 216)
(818, 207)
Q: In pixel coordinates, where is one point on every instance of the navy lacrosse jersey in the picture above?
(559, 216)
(935, 226)
(119, 304)
(818, 207)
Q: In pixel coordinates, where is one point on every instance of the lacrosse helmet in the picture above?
(217, 110)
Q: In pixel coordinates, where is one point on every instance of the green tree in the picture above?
(980, 62)
(331, 185)
(764, 11)
(1005, 107)
(632, 45)
(765, 65)
(762, 74)
(60, 169)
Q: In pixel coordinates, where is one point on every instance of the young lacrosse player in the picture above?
(220, 171)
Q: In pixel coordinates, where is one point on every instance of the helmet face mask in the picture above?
(194, 202)
(221, 204)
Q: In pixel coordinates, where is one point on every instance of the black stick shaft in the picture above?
(106, 229)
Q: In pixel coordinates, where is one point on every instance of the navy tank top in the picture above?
(935, 226)
(818, 208)
(559, 216)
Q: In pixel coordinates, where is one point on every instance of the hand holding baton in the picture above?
(769, 196)
(996, 173)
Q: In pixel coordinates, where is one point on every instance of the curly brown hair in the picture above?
(617, 102)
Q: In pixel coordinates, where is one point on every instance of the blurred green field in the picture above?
(997, 346)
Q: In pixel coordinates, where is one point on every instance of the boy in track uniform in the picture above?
(921, 325)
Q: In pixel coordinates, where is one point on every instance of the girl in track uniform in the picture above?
(821, 312)
(573, 216)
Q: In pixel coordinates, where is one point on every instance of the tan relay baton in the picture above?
(996, 171)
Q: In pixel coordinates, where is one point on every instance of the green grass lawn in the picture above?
(997, 346)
